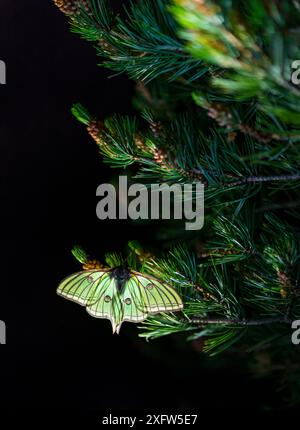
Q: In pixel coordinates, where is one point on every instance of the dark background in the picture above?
(57, 357)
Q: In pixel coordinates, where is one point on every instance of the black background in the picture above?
(57, 357)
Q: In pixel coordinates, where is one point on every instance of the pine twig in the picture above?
(245, 323)
(259, 179)
(278, 206)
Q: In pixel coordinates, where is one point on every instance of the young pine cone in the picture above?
(95, 130)
(71, 7)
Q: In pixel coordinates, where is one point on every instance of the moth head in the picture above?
(122, 274)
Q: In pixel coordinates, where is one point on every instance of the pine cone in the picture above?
(286, 286)
(95, 129)
(157, 129)
(159, 156)
(140, 143)
(72, 7)
(92, 265)
(66, 6)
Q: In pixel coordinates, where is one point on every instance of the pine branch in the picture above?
(217, 107)
(242, 48)
(144, 45)
(244, 323)
(258, 179)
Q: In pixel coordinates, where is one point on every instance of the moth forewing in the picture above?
(81, 286)
(156, 296)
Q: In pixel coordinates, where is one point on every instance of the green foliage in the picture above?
(80, 254)
(215, 104)
(252, 47)
(144, 44)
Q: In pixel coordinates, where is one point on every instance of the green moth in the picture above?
(119, 294)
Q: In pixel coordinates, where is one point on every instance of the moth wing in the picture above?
(155, 296)
(81, 287)
(107, 304)
(131, 299)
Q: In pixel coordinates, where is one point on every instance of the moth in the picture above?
(119, 294)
